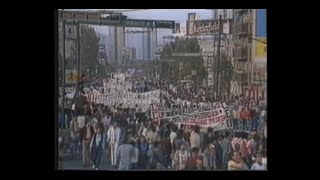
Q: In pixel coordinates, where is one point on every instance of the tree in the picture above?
(226, 73)
(89, 48)
(172, 70)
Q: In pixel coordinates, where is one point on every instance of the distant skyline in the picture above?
(177, 15)
(135, 40)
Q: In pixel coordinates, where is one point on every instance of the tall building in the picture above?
(133, 54)
(259, 54)
(207, 32)
(242, 48)
(149, 41)
(116, 44)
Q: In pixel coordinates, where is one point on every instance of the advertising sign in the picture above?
(201, 27)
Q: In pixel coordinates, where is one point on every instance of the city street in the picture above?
(162, 89)
(77, 164)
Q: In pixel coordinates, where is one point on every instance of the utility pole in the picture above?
(212, 63)
(218, 54)
(78, 58)
(149, 43)
(63, 66)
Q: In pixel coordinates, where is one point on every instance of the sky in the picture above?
(261, 23)
(177, 15)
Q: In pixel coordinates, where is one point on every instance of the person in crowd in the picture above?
(252, 147)
(236, 163)
(60, 148)
(87, 134)
(259, 165)
(180, 157)
(97, 146)
(75, 136)
(195, 137)
(156, 158)
(191, 162)
(136, 156)
(218, 153)
(226, 148)
(153, 135)
(244, 116)
(166, 149)
(114, 134)
(143, 148)
(200, 164)
(125, 154)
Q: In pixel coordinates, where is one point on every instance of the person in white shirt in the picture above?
(259, 165)
(81, 121)
(114, 134)
(173, 135)
(188, 106)
(195, 138)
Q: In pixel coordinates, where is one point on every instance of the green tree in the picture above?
(89, 48)
(172, 70)
(226, 73)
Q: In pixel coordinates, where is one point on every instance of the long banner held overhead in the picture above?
(218, 119)
(126, 98)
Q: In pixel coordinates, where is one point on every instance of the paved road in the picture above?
(105, 165)
(77, 164)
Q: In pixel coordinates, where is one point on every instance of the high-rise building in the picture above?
(242, 47)
(259, 54)
(116, 44)
(133, 54)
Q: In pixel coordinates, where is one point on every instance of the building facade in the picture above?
(249, 53)
(242, 49)
(207, 32)
(116, 44)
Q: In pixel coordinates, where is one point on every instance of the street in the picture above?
(77, 164)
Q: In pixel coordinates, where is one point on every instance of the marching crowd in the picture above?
(133, 141)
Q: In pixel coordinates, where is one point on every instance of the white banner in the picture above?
(219, 118)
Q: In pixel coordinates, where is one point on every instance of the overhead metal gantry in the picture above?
(112, 19)
(116, 19)
(102, 18)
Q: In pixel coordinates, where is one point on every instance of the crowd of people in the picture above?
(133, 141)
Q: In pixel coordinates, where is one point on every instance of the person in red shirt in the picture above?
(192, 161)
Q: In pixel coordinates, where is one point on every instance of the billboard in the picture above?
(261, 48)
(203, 27)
